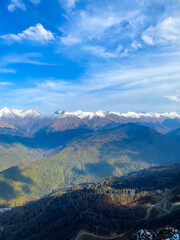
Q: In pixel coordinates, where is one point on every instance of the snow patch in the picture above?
(80, 114)
(3, 210)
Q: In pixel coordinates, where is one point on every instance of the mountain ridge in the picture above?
(83, 114)
(32, 121)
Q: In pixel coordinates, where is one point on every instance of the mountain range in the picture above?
(31, 121)
(90, 164)
(42, 153)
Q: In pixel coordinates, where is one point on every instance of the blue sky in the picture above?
(120, 55)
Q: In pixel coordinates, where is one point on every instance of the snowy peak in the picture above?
(147, 115)
(12, 112)
(81, 114)
(102, 114)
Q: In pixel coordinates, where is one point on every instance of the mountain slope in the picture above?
(16, 154)
(175, 134)
(146, 199)
(8, 129)
(17, 147)
(89, 158)
(13, 152)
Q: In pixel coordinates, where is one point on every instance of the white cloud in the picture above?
(70, 40)
(35, 33)
(3, 84)
(71, 3)
(136, 45)
(47, 84)
(99, 30)
(35, 1)
(94, 24)
(16, 4)
(165, 32)
(99, 51)
(30, 58)
(86, 28)
(137, 87)
(68, 3)
(174, 97)
(119, 48)
(7, 70)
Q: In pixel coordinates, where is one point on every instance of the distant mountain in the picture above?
(16, 154)
(89, 158)
(7, 129)
(99, 120)
(17, 147)
(175, 134)
(30, 121)
(25, 120)
(116, 208)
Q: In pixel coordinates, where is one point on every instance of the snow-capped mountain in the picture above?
(24, 120)
(81, 114)
(163, 122)
(12, 113)
(102, 114)
(32, 121)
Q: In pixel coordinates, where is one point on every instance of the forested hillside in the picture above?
(88, 158)
(115, 206)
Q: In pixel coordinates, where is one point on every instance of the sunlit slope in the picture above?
(89, 158)
(16, 154)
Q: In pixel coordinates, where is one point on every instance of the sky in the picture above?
(110, 55)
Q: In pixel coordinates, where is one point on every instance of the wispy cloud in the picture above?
(99, 51)
(37, 34)
(7, 70)
(165, 32)
(120, 55)
(136, 87)
(15, 4)
(19, 4)
(35, 1)
(3, 84)
(100, 24)
(174, 97)
(68, 3)
(30, 58)
(70, 40)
